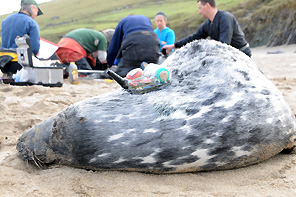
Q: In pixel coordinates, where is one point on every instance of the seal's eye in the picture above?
(54, 124)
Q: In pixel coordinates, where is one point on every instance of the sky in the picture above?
(9, 6)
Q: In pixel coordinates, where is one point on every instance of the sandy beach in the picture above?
(21, 107)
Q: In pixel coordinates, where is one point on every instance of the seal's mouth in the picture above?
(28, 154)
(32, 147)
(37, 158)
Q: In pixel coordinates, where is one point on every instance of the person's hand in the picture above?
(163, 42)
(168, 48)
(95, 54)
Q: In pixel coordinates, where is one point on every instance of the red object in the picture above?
(81, 75)
(135, 73)
(71, 51)
(140, 82)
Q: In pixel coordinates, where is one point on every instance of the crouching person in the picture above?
(84, 47)
(133, 42)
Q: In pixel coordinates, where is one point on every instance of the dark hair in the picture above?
(211, 2)
(161, 14)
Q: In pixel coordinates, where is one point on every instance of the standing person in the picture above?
(20, 24)
(221, 26)
(133, 42)
(165, 34)
(84, 46)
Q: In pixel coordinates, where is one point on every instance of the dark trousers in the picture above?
(85, 64)
(136, 48)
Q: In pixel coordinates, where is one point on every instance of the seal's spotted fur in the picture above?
(220, 112)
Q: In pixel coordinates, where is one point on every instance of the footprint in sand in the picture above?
(31, 91)
(6, 89)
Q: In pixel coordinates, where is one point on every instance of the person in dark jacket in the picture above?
(221, 26)
(133, 42)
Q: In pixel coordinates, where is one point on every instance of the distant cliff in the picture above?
(264, 22)
(268, 22)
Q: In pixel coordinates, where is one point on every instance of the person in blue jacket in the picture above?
(165, 34)
(220, 26)
(133, 42)
(20, 24)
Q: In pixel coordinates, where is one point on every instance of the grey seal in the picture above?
(219, 112)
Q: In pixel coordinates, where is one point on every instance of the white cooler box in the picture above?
(46, 76)
(37, 74)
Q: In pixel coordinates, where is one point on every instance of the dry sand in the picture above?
(23, 107)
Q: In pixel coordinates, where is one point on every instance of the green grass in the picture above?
(62, 16)
(100, 18)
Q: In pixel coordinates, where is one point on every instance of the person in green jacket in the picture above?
(84, 47)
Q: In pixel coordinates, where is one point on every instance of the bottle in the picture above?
(158, 73)
(73, 73)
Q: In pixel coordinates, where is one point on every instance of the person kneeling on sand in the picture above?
(84, 47)
(134, 42)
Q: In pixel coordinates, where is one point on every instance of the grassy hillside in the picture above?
(265, 22)
(62, 16)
